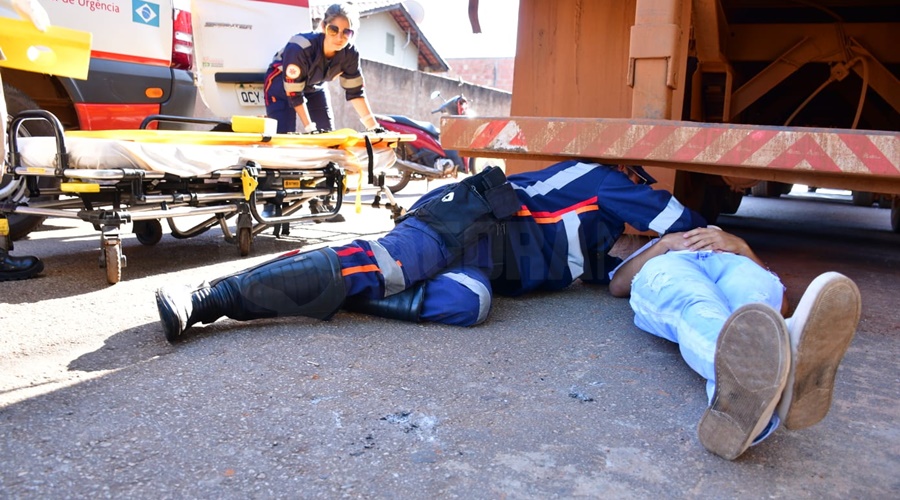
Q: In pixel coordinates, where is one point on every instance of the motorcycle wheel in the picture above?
(395, 178)
(20, 225)
(402, 181)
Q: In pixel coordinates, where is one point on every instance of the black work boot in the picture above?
(301, 284)
(405, 306)
(18, 268)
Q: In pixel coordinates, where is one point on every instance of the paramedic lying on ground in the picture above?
(707, 291)
(446, 258)
(443, 262)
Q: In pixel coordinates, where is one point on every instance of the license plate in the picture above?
(250, 94)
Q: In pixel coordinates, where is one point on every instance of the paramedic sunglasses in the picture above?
(335, 31)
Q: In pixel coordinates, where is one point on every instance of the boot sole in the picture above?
(824, 336)
(23, 274)
(168, 317)
(752, 362)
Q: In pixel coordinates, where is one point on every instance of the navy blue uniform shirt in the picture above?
(302, 65)
(572, 214)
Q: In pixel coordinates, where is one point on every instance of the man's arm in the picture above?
(704, 238)
(620, 285)
(713, 238)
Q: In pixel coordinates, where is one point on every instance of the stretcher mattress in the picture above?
(192, 154)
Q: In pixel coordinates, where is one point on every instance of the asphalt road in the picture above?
(556, 396)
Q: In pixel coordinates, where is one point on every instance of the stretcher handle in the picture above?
(186, 119)
(62, 162)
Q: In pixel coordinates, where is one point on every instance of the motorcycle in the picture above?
(424, 158)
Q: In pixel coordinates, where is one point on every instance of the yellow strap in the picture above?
(4, 226)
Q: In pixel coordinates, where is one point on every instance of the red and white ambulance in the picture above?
(141, 61)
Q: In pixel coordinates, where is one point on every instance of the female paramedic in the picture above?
(295, 80)
(456, 247)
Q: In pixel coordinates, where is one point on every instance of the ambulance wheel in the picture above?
(148, 232)
(112, 255)
(20, 225)
(244, 237)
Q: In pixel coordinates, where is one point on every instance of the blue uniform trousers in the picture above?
(456, 293)
(278, 106)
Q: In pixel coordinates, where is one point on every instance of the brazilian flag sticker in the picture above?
(143, 12)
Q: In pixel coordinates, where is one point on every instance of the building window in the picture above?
(389, 44)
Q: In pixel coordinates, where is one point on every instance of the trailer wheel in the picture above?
(112, 256)
(244, 238)
(770, 189)
(863, 198)
(20, 225)
(148, 232)
(895, 214)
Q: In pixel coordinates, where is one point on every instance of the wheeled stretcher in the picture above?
(113, 178)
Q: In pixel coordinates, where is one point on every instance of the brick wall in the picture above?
(489, 72)
(397, 91)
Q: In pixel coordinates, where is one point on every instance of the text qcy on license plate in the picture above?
(250, 94)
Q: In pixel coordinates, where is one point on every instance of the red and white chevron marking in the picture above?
(822, 150)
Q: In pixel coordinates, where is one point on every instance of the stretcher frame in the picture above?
(109, 198)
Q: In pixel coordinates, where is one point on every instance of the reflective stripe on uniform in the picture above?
(480, 291)
(294, 86)
(558, 180)
(390, 269)
(662, 222)
(351, 83)
(300, 40)
(575, 257)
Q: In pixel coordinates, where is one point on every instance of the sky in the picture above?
(446, 25)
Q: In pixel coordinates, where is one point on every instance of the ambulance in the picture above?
(141, 62)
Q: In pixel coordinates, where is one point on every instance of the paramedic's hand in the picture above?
(32, 10)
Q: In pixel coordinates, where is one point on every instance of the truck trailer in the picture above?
(722, 97)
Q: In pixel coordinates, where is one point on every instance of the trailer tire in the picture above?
(20, 225)
(770, 189)
(895, 214)
(863, 198)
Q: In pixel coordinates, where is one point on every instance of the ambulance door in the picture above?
(234, 41)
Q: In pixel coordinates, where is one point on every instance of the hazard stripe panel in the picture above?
(727, 149)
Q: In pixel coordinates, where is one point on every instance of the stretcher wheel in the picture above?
(112, 255)
(148, 232)
(244, 237)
